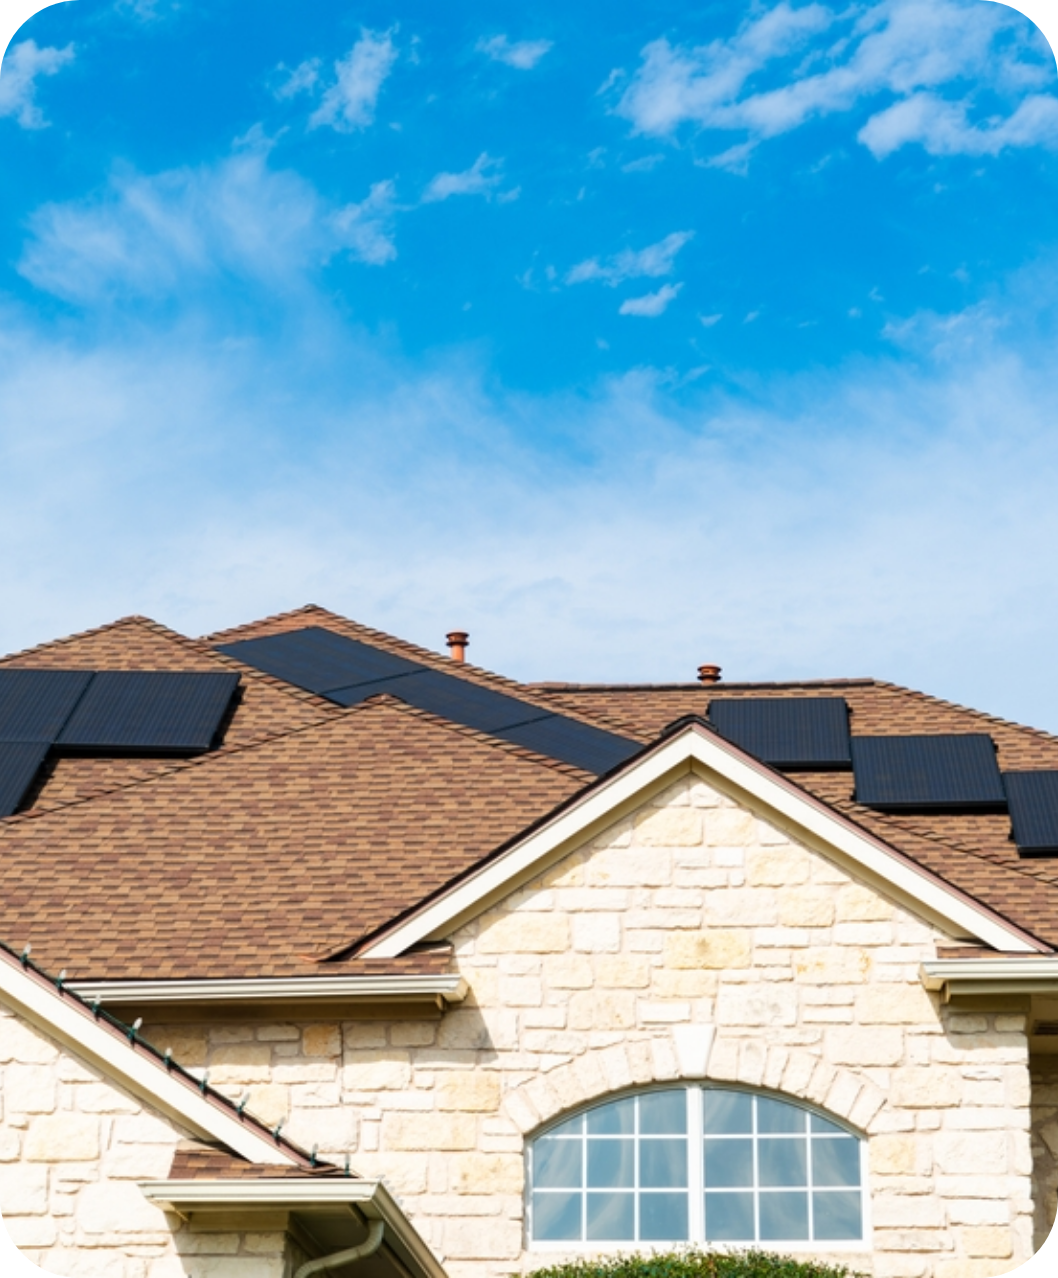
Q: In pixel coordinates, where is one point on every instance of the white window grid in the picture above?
(695, 1137)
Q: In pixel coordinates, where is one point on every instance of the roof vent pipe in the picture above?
(708, 674)
(457, 641)
(341, 1258)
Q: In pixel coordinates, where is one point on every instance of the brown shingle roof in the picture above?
(207, 1162)
(258, 861)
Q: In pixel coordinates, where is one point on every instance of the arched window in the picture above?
(696, 1164)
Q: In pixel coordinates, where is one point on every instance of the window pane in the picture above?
(729, 1217)
(663, 1113)
(837, 1215)
(728, 1163)
(611, 1164)
(728, 1112)
(828, 1128)
(777, 1116)
(571, 1127)
(556, 1217)
(835, 1160)
(663, 1164)
(783, 1216)
(615, 1119)
(783, 1161)
(611, 1217)
(557, 1164)
(663, 1217)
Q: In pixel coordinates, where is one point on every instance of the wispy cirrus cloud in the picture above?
(789, 66)
(522, 54)
(482, 178)
(24, 64)
(651, 262)
(303, 78)
(651, 304)
(349, 103)
(152, 236)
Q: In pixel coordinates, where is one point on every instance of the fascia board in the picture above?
(764, 790)
(371, 1197)
(450, 988)
(1014, 975)
(121, 1062)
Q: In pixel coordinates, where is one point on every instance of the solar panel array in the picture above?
(1033, 799)
(787, 732)
(103, 713)
(347, 672)
(927, 773)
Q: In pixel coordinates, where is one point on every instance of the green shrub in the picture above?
(694, 1263)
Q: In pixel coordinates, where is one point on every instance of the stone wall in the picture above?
(72, 1148)
(1045, 1145)
(690, 941)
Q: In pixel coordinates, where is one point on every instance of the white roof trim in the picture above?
(737, 773)
(370, 1197)
(146, 1078)
(443, 988)
(1001, 975)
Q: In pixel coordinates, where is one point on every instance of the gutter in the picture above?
(1014, 975)
(346, 1197)
(440, 991)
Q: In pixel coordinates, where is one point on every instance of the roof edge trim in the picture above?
(447, 988)
(1007, 975)
(695, 743)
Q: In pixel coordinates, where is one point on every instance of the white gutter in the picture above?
(438, 989)
(1013, 975)
(118, 1060)
(370, 1197)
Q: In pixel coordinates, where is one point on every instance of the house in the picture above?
(318, 948)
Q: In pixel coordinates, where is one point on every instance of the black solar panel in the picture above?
(802, 732)
(460, 701)
(1033, 799)
(34, 704)
(937, 773)
(152, 711)
(19, 763)
(573, 742)
(318, 660)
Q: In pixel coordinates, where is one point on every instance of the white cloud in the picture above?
(153, 236)
(523, 54)
(482, 178)
(651, 304)
(301, 79)
(366, 228)
(23, 64)
(650, 262)
(709, 320)
(349, 104)
(898, 48)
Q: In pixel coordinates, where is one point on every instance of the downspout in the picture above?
(342, 1258)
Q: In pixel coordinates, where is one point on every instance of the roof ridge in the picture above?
(131, 619)
(162, 1060)
(710, 689)
(477, 675)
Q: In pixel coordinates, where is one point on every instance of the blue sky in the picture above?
(625, 336)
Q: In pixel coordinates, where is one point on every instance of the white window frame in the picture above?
(696, 1176)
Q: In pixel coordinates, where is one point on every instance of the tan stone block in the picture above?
(28, 1232)
(29, 1089)
(474, 1238)
(987, 1240)
(777, 867)
(269, 1102)
(742, 907)
(413, 1034)
(730, 828)
(188, 1046)
(690, 983)
(669, 827)
(714, 948)
(62, 1138)
(322, 1040)
(23, 1190)
(894, 1155)
(526, 933)
(468, 1090)
(832, 965)
(18, 1042)
(429, 1131)
(756, 1005)
(569, 972)
(388, 1070)
(602, 1009)
(856, 903)
(622, 971)
(475, 1173)
(597, 933)
(918, 1087)
(877, 1045)
(809, 907)
(894, 1004)
(118, 1207)
(967, 1269)
(961, 1151)
(240, 1063)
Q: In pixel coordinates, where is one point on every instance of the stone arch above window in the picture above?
(696, 1162)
